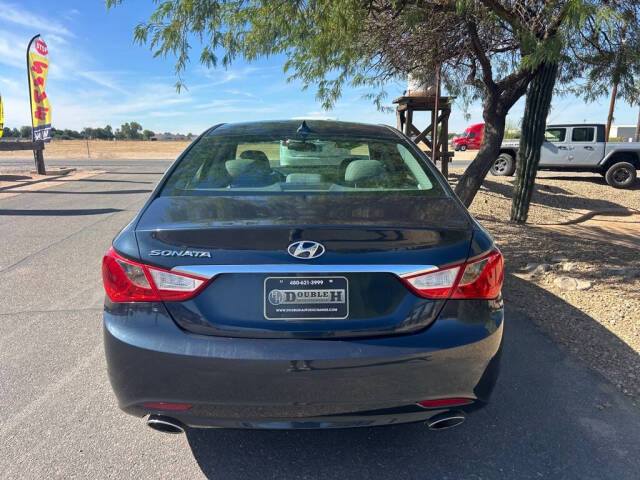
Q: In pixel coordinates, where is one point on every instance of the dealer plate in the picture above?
(306, 298)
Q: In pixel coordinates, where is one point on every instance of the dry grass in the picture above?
(82, 149)
(125, 150)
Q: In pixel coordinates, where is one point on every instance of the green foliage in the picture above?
(606, 50)
(488, 50)
(512, 135)
(11, 133)
(316, 36)
(131, 131)
(511, 130)
(25, 131)
(65, 134)
(147, 134)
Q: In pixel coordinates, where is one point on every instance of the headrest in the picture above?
(257, 156)
(361, 170)
(238, 166)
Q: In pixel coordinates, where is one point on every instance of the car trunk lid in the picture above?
(242, 244)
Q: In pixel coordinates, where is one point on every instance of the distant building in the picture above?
(168, 136)
(625, 132)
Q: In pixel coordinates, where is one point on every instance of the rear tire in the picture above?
(463, 147)
(621, 175)
(504, 166)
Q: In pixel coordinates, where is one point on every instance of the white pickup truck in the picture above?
(578, 148)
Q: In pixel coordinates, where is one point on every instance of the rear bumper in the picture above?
(290, 383)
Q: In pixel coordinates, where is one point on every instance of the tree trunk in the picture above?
(472, 178)
(636, 136)
(612, 105)
(533, 124)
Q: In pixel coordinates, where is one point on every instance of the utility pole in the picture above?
(636, 136)
(616, 80)
(612, 105)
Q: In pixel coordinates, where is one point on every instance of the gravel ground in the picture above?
(596, 313)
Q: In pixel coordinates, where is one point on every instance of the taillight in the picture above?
(481, 278)
(128, 281)
(436, 284)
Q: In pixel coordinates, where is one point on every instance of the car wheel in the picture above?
(504, 166)
(621, 175)
(463, 147)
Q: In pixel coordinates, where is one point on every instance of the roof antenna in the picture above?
(303, 129)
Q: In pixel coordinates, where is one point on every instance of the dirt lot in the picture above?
(580, 282)
(81, 149)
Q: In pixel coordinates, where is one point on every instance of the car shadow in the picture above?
(107, 180)
(85, 192)
(550, 417)
(131, 173)
(14, 178)
(595, 179)
(31, 182)
(553, 197)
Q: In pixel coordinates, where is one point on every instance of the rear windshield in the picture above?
(226, 165)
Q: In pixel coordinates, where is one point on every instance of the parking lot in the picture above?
(551, 417)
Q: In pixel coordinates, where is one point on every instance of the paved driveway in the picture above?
(550, 418)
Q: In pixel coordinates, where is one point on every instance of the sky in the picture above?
(98, 76)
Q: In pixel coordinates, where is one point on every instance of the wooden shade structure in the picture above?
(37, 147)
(440, 108)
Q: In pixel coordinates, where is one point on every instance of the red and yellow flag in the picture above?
(38, 67)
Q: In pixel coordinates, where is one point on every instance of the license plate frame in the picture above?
(320, 298)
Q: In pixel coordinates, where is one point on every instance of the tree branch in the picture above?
(478, 50)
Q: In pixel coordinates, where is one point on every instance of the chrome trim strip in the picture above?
(210, 271)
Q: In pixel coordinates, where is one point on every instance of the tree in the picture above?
(583, 23)
(11, 133)
(25, 131)
(104, 133)
(539, 27)
(330, 43)
(487, 49)
(147, 134)
(131, 131)
(88, 133)
(607, 55)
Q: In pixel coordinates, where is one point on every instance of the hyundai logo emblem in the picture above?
(305, 249)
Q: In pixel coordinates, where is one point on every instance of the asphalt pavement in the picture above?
(551, 416)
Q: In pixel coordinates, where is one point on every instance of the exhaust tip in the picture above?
(444, 420)
(165, 424)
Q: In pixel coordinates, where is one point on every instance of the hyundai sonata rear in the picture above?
(302, 275)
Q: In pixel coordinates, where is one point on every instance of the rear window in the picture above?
(225, 165)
